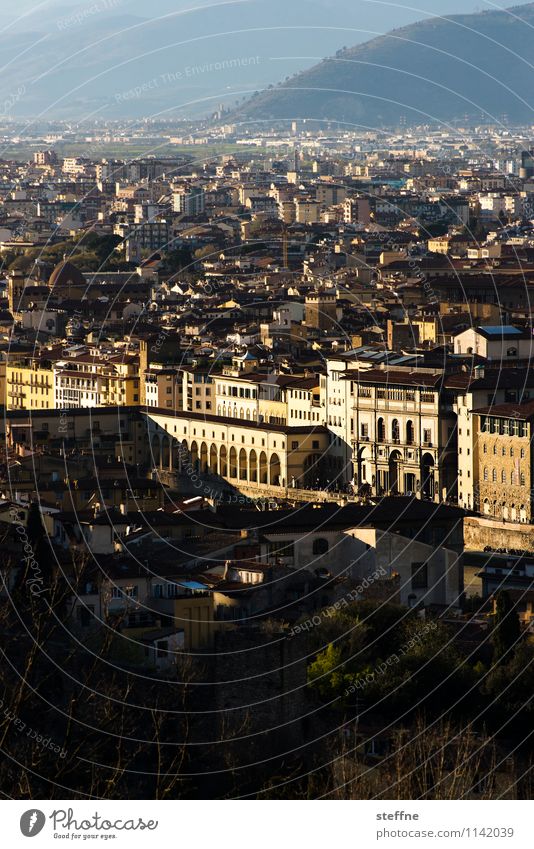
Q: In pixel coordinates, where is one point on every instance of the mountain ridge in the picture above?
(438, 69)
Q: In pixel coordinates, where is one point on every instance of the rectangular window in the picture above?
(281, 548)
(419, 576)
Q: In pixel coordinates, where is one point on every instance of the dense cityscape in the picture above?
(267, 467)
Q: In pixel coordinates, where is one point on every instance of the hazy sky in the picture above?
(96, 57)
(392, 14)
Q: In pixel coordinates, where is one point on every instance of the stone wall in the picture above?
(480, 533)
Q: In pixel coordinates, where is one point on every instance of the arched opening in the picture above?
(410, 433)
(233, 462)
(263, 468)
(380, 430)
(223, 471)
(361, 476)
(194, 456)
(395, 431)
(243, 465)
(213, 460)
(427, 476)
(394, 462)
(253, 460)
(156, 451)
(165, 452)
(274, 470)
(320, 546)
(203, 458)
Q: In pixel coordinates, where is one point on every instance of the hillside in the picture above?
(479, 65)
(127, 58)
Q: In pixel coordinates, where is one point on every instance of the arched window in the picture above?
(395, 431)
(320, 546)
(494, 475)
(503, 476)
(485, 474)
(410, 433)
(380, 430)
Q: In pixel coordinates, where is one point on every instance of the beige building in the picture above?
(307, 211)
(163, 388)
(403, 433)
(503, 461)
(246, 454)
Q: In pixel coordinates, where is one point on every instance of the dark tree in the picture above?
(506, 630)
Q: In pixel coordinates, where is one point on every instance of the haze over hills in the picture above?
(476, 65)
(127, 58)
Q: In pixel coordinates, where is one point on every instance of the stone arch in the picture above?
(233, 463)
(165, 452)
(253, 463)
(156, 450)
(213, 460)
(194, 456)
(203, 458)
(264, 474)
(274, 470)
(427, 476)
(394, 464)
(223, 462)
(243, 466)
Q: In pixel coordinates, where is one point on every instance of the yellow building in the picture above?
(200, 613)
(29, 385)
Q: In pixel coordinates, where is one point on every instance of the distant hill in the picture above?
(133, 58)
(479, 65)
